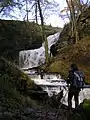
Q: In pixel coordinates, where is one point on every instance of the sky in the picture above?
(56, 20)
(53, 19)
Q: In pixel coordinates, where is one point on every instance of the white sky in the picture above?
(57, 21)
(54, 19)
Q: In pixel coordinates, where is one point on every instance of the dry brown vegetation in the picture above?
(78, 53)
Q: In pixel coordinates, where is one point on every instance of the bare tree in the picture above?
(36, 10)
(73, 20)
(27, 10)
(75, 8)
(8, 5)
(72, 12)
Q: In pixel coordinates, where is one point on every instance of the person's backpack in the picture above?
(78, 80)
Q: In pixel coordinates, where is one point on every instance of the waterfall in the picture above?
(36, 57)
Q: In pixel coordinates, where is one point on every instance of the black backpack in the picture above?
(78, 79)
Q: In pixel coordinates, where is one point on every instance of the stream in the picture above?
(53, 84)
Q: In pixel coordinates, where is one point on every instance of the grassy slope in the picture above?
(79, 54)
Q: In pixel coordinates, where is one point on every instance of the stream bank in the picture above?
(42, 113)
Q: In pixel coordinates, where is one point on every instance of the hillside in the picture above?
(79, 54)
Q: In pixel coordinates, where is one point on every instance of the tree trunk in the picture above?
(71, 18)
(74, 20)
(43, 32)
(36, 12)
(27, 10)
(74, 29)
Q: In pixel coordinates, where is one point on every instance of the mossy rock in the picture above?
(85, 106)
(10, 95)
(59, 67)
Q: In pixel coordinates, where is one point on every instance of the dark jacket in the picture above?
(70, 79)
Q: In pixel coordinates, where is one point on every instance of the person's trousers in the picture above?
(73, 92)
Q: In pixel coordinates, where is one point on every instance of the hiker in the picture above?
(53, 50)
(76, 81)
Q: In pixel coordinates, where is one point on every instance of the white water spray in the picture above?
(36, 57)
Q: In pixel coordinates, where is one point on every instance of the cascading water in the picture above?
(54, 84)
(50, 83)
(36, 57)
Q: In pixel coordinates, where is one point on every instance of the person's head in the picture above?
(74, 67)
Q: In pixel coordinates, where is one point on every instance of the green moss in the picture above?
(59, 67)
(9, 96)
(86, 109)
(10, 77)
(86, 104)
(14, 71)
